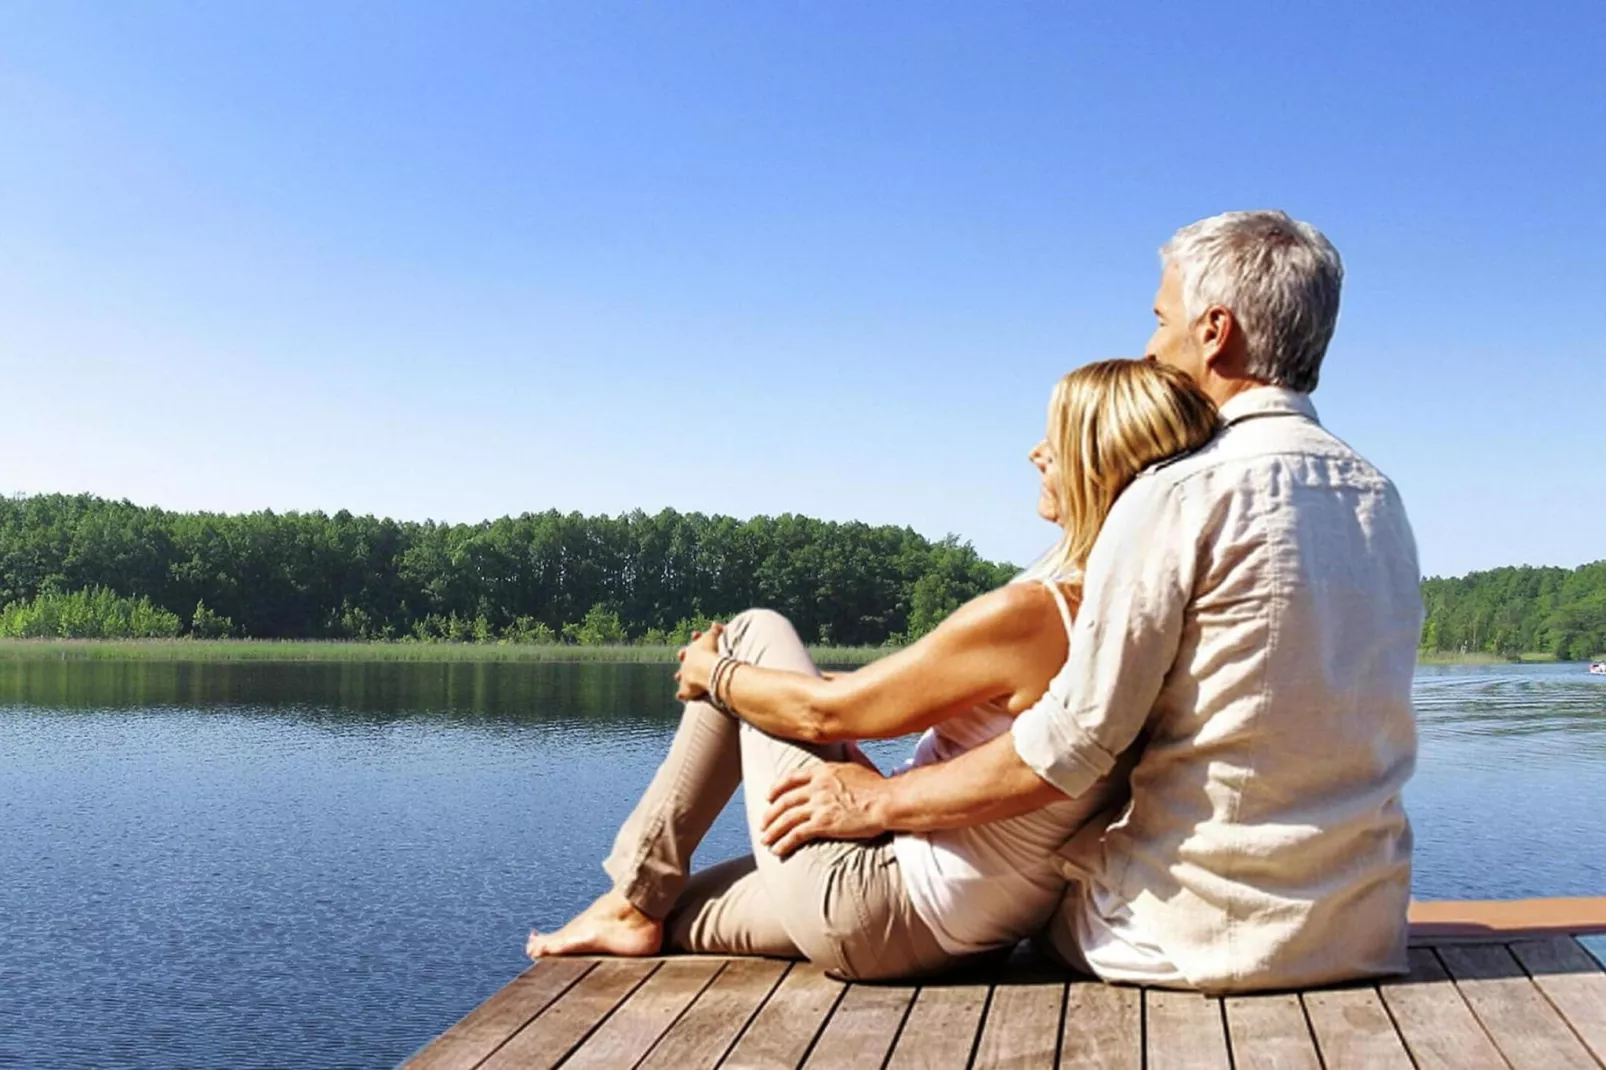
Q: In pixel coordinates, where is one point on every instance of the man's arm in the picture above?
(846, 801)
(1139, 581)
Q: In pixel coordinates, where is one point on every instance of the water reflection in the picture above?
(377, 691)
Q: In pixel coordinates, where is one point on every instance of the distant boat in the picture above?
(1598, 668)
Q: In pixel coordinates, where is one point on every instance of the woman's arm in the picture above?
(1006, 644)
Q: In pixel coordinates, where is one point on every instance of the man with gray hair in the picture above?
(1244, 646)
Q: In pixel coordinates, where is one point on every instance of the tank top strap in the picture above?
(1059, 599)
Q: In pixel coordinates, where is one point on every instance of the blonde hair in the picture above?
(1107, 422)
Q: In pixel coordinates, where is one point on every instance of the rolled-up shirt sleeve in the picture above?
(1137, 585)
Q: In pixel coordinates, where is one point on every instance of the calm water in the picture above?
(325, 865)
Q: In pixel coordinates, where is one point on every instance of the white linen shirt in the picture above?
(1252, 612)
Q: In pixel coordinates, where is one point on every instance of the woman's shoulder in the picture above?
(1024, 606)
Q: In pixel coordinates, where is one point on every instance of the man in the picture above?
(1248, 634)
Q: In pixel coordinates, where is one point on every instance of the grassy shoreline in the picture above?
(1448, 658)
(329, 650)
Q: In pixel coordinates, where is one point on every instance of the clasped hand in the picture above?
(697, 660)
(826, 800)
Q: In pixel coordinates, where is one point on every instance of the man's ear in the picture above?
(1219, 335)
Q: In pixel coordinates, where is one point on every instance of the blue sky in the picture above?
(824, 258)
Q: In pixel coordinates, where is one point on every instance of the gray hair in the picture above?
(1279, 278)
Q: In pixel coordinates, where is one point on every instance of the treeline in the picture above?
(1510, 611)
(540, 577)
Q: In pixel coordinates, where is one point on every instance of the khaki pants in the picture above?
(838, 903)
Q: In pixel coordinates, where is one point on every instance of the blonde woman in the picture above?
(757, 710)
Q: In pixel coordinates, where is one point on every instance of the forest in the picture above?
(1510, 611)
(81, 566)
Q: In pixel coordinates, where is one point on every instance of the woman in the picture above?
(899, 905)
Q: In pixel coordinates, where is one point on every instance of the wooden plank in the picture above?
(1438, 1027)
(702, 1036)
(632, 1030)
(1184, 1031)
(1270, 1033)
(1103, 1028)
(1022, 1028)
(1522, 1023)
(487, 1026)
(861, 1030)
(1353, 1031)
(1491, 921)
(550, 1037)
(788, 1022)
(1574, 983)
(940, 1032)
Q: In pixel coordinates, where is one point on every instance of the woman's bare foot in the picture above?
(610, 926)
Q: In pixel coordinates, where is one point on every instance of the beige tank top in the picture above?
(989, 885)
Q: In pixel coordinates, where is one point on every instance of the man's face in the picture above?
(1173, 341)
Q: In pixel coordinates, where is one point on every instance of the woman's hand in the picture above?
(828, 800)
(697, 660)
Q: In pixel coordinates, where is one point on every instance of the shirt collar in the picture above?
(1268, 401)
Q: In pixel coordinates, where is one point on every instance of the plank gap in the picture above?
(1226, 1033)
(897, 1034)
(1310, 1031)
(566, 1024)
(1353, 1030)
(1528, 1030)
(981, 1026)
(716, 1020)
(814, 1041)
(638, 1023)
(1143, 1029)
(788, 1025)
(1394, 1023)
(478, 1035)
(860, 1030)
(1572, 982)
(1059, 1026)
(741, 1034)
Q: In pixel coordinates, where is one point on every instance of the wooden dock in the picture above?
(1492, 985)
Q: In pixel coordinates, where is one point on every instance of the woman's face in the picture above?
(1047, 465)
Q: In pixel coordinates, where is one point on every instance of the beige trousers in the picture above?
(838, 903)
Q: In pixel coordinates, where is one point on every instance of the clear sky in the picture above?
(457, 261)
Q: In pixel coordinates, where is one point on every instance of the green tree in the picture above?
(600, 627)
(205, 624)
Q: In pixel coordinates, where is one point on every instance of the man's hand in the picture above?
(832, 800)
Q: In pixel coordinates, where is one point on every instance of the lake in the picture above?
(255, 865)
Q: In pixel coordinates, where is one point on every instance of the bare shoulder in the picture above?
(1015, 610)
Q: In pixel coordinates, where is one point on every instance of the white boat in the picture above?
(1598, 668)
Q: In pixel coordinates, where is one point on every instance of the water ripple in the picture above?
(326, 866)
